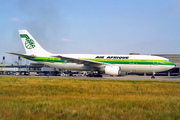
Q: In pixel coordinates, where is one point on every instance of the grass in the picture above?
(63, 98)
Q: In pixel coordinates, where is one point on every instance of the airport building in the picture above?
(33, 69)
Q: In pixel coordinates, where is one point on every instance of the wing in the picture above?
(31, 57)
(80, 61)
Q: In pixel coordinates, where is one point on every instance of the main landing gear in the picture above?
(92, 74)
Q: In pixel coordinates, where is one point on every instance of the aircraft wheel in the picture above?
(153, 77)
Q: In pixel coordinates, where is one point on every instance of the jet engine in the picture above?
(112, 70)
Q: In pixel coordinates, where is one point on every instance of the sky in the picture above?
(91, 26)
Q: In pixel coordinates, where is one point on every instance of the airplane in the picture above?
(102, 63)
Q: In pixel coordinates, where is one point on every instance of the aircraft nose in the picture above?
(174, 65)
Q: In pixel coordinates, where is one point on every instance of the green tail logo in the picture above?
(29, 43)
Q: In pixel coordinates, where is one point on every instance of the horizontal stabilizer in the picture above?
(23, 55)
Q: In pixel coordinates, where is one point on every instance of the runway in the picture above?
(107, 77)
(133, 77)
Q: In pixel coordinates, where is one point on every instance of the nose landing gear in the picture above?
(153, 75)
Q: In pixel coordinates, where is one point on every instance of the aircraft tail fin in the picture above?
(31, 46)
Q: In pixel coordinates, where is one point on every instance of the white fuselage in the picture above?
(131, 67)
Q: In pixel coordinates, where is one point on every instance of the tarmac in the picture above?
(107, 77)
(158, 78)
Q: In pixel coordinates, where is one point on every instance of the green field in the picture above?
(63, 98)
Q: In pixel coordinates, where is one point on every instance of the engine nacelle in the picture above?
(113, 70)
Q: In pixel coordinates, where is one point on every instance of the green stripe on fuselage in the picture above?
(110, 61)
(48, 59)
(133, 61)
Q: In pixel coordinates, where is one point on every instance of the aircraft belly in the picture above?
(79, 67)
(68, 66)
(144, 68)
(135, 68)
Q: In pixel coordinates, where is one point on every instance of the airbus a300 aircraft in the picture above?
(108, 64)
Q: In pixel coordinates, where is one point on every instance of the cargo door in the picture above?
(131, 60)
(51, 60)
(155, 61)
